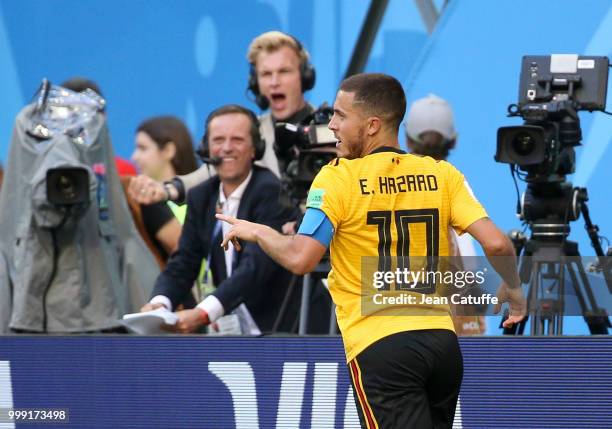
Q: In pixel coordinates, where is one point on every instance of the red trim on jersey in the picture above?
(365, 407)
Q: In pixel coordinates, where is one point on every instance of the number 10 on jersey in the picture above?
(403, 219)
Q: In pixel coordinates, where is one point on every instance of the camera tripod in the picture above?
(548, 257)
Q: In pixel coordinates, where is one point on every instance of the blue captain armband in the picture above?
(317, 225)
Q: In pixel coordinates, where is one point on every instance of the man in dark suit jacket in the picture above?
(248, 277)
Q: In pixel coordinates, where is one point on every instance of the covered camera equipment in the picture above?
(72, 258)
(302, 149)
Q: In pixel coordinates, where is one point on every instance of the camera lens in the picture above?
(523, 143)
(65, 185)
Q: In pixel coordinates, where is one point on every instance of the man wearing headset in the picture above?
(248, 284)
(280, 73)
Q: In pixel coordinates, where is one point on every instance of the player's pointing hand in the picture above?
(241, 230)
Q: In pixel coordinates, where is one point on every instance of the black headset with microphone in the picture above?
(307, 76)
(258, 142)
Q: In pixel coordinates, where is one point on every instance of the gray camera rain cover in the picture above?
(104, 268)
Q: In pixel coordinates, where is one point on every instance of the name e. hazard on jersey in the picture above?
(399, 184)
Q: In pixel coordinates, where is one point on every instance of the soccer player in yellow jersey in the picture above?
(377, 201)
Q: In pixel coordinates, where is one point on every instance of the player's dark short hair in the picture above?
(380, 95)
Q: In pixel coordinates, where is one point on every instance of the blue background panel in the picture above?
(171, 382)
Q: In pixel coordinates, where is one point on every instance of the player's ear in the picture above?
(374, 125)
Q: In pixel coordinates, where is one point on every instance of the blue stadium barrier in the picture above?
(284, 382)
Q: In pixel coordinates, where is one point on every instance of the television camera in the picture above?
(302, 149)
(552, 90)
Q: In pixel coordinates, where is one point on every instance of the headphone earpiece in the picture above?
(258, 141)
(262, 102)
(307, 72)
(203, 151)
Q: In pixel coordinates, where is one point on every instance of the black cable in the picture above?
(566, 221)
(606, 112)
(56, 252)
(592, 231)
(51, 278)
(283, 308)
(525, 226)
(518, 194)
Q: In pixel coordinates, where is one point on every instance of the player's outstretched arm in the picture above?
(501, 254)
(299, 254)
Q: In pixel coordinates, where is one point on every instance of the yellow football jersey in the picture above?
(382, 206)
